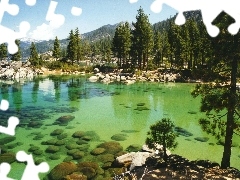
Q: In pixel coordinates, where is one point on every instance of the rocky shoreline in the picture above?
(146, 164)
(14, 70)
(130, 78)
(178, 167)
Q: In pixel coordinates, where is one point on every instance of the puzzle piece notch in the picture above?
(9, 36)
(12, 123)
(76, 11)
(30, 2)
(4, 170)
(4, 105)
(55, 20)
(12, 9)
(210, 10)
(31, 171)
(133, 1)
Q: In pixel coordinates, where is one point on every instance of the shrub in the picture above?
(162, 132)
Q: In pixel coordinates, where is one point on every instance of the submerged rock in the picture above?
(98, 151)
(76, 176)
(71, 146)
(129, 131)
(56, 132)
(38, 152)
(65, 119)
(201, 139)
(8, 157)
(78, 134)
(134, 148)
(52, 149)
(7, 140)
(141, 104)
(54, 157)
(119, 137)
(61, 170)
(33, 148)
(35, 124)
(104, 158)
(78, 155)
(182, 132)
(62, 136)
(112, 147)
(89, 169)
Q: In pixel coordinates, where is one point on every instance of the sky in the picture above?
(94, 14)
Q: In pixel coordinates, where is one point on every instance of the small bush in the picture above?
(162, 133)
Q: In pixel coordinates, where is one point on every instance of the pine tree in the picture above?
(72, 47)
(162, 133)
(18, 55)
(122, 42)
(56, 49)
(78, 44)
(142, 39)
(158, 49)
(3, 51)
(221, 99)
(194, 43)
(34, 59)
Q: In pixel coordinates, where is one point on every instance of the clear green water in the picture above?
(106, 110)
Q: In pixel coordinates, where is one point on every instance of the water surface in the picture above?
(103, 110)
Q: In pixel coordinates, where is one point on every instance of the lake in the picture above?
(102, 111)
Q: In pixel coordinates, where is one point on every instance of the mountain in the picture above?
(101, 33)
(106, 31)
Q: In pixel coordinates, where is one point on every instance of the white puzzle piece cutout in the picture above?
(31, 171)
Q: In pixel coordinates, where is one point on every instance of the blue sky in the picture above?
(95, 13)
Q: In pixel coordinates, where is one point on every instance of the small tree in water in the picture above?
(162, 132)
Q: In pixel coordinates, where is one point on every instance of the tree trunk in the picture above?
(164, 149)
(231, 110)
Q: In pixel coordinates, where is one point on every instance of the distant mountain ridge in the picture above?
(106, 31)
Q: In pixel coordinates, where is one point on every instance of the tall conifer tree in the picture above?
(72, 47)
(122, 42)
(78, 44)
(56, 49)
(34, 59)
(3, 51)
(142, 38)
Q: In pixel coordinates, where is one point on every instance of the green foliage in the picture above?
(18, 55)
(78, 45)
(54, 65)
(122, 42)
(72, 47)
(3, 51)
(214, 125)
(162, 133)
(221, 96)
(142, 40)
(34, 59)
(56, 49)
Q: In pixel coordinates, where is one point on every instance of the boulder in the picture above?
(97, 151)
(8, 157)
(112, 147)
(61, 170)
(136, 158)
(119, 137)
(93, 79)
(16, 65)
(65, 119)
